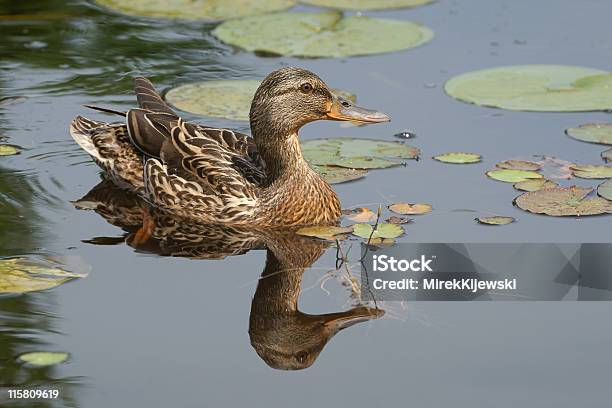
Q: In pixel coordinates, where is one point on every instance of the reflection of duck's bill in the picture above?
(338, 321)
(342, 109)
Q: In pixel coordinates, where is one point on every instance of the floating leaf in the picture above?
(458, 158)
(384, 231)
(224, 98)
(43, 358)
(605, 190)
(398, 220)
(554, 88)
(410, 209)
(518, 165)
(513, 176)
(600, 133)
(607, 155)
(563, 201)
(8, 150)
(367, 4)
(361, 215)
(592, 172)
(324, 232)
(357, 153)
(337, 175)
(497, 220)
(18, 275)
(534, 184)
(323, 34)
(196, 9)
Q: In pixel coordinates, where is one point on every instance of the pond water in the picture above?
(150, 330)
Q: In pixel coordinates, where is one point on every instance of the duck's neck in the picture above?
(280, 149)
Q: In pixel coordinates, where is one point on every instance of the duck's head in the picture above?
(289, 98)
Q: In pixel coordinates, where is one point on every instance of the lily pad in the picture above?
(534, 184)
(361, 215)
(496, 220)
(357, 153)
(513, 176)
(324, 232)
(518, 165)
(224, 98)
(607, 156)
(398, 220)
(458, 158)
(600, 133)
(196, 9)
(43, 358)
(552, 88)
(18, 275)
(337, 175)
(9, 150)
(384, 231)
(563, 201)
(410, 209)
(592, 172)
(605, 190)
(325, 34)
(367, 4)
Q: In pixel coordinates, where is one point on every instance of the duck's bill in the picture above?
(342, 109)
(338, 321)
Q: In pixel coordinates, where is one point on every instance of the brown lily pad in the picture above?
(398, 220)
(563, 202)
(496, 220)
(518, 165)
(360, 215)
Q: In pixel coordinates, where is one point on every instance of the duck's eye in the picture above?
(306, 87)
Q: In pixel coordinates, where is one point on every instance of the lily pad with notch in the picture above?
(383, 231)
(563, 202)
(600, 133)
(513, 176)
(410, 209)
(325, 34)
(357, 153)
(518, 165)
(534, 184)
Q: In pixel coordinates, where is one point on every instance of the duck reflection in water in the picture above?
(283, 336)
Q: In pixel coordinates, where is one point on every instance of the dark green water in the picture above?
(147, 330)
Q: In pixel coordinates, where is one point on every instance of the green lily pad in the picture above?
(513, 176)
(607, 156)
(43, 358)
(563, 201)
(324, 34)
(196, 9)
(592, 172)
(384, 231)
(605, 190)
(9, 150)
(367, 4)
(552, 88)
(357, 153)
(337, 175)
(18, 275)
(496, 220)
(518, 165)
(225, 98)
(458, 158)
(600, 133)
(328, 232)
(534, 184)
(410, 209)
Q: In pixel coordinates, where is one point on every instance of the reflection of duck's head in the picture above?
(293, 340)
(282, 336)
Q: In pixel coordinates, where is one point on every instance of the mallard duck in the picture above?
(217, 175)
